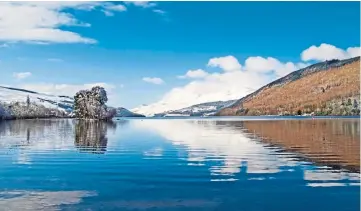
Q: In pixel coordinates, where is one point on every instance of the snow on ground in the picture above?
(9, 94)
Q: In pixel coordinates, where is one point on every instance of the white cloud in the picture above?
(144, 4)
(109, 8)
(22, 75)
(161, 12)
(353, 51)
(328, 52)
(199, 73)
(153, 80)
(71, 89)
(227, 63)
(116, 7)
(233, 82)
(55, 60)
(264, 65)
(41, 22)
(64, 89)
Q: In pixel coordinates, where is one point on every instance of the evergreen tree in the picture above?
(355, 104)
(28, 101)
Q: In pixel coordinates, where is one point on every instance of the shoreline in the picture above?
(207, 118)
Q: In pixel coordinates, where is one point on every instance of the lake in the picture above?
(180, 164)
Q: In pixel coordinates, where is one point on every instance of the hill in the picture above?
(123, 112)
(22, 103)
(326, 88)
(11, 95)
(202, 109)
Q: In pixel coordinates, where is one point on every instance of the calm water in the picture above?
(180, 164)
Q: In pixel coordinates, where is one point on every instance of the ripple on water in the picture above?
(180, 165)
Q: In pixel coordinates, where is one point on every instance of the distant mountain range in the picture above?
(60, 102)
(326, 88)
(203, 109)
(123, 112)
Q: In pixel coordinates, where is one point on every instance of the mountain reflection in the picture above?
(333, 143)
(250, 148)
(91, 136)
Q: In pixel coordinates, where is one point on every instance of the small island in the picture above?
(90, 104)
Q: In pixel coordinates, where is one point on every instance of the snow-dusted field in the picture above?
(12, 95)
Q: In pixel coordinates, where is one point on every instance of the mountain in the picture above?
(326, 88)
(203, 109)
(10, 95)
(123, 112)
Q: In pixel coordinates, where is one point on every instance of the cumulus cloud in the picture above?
(227, 63)
(21, 75)
(64, 89)
(199, 73)
(154, 80)
(109, 9)
(226, 86)
(42, 22)
(327, 52)
(265, 65)
(234, 82)
(144, 4)
(148, 5)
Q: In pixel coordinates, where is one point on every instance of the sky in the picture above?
(169, 55)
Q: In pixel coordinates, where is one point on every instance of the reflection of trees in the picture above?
(35, 131)
(91, 135)
(334, 142)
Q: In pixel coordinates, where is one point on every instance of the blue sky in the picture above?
(165, 40)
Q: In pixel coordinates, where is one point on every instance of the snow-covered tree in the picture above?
(4, 113)
(90, 104)
(23, 110)
(28, 101)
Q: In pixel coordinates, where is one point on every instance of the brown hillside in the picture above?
(316, 92)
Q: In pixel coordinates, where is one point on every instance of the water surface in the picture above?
(180, 164)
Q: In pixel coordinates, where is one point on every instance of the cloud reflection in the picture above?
(229, 148)
(40, 200)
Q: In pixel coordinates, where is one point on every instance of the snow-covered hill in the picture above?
(202, 109)
(11, 95)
